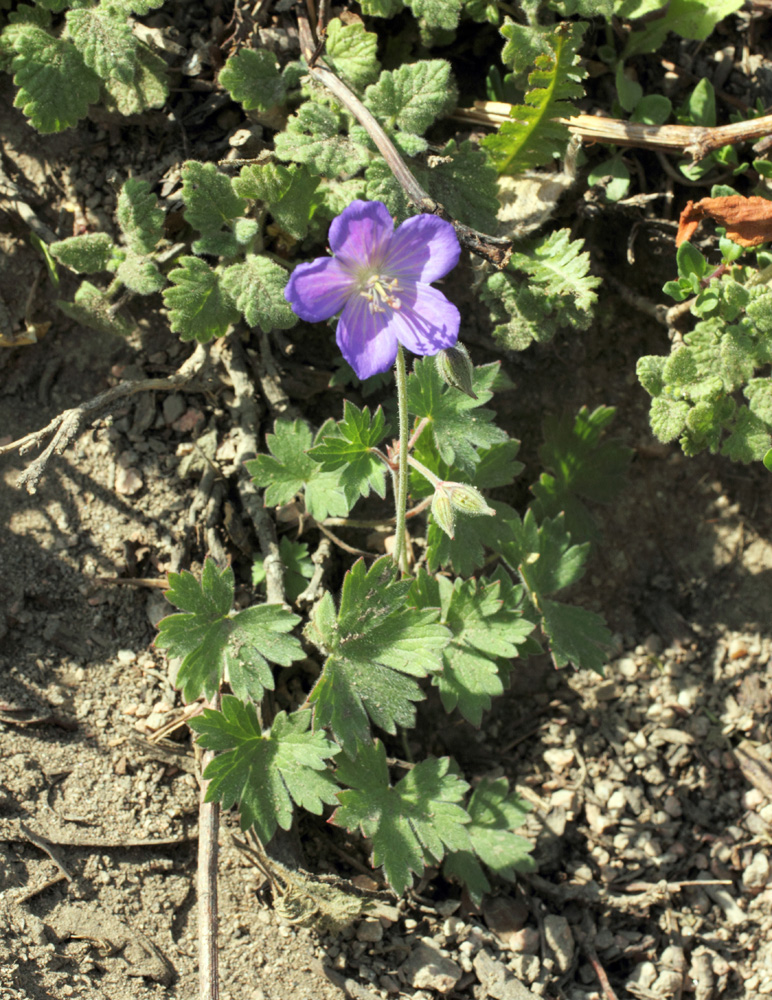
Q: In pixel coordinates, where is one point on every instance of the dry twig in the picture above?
(67, 425)
(491, 248)
(208, 850)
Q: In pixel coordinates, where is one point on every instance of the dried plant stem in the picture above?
(491, 248)
(208, 850)
(400, 549)
(67, 425)
(697, 141)
(246, 415)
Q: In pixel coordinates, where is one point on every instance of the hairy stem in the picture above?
(400, 551)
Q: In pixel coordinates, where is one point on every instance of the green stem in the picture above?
(400, 551)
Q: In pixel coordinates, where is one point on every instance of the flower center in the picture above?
(380, 293)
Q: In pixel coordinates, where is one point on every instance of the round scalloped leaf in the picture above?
(105, 41)
(55, 85)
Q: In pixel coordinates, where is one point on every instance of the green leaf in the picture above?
(105, 40)
(575, 635)
(287, 191)
(474, 536)
(495, 813)
(252, 78)
(146, 90)
(381, 8)
(613, 175)
(94, 309)
(351, 51)
(257, 287)
(524, 44)
(55, 85)
(544, 555)
(750, 438)
(668, 417)
(694, 19)
(138, 7)
(372, 643)
(289, 469)
(702, 104)
(557, 291)
(24, 13)
(210, 202)
(85, 254)
(437, 13)
(298, 567)
(458, 425)
(461, 178)
(486, 622)
(199, 307)
(140, 274)
(212, 640)
(533, 137)
(411, 824)
(313, 136)
(413, 96)
(581, 466)
(653, 109)
(348, 447)
(140, 218)
(629, 91)
(265, 774)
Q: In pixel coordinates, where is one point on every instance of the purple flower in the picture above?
(380, 278)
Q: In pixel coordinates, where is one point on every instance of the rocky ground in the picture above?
(651, 788)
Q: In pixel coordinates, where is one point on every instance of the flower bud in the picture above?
(455, 368)
(443, 512)
(467, 499)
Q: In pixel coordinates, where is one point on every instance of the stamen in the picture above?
(380, 293)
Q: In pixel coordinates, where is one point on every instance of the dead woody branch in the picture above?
(696, 141)
(491, 248)
(67, 425)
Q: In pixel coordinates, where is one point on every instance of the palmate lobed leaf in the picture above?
(212, 641)
(264, 774)
(544, 554)
(372, 642)
(348, 448)
(411, 824)
(458, 424)
(495, 814)
(290, 470)
(487, 625)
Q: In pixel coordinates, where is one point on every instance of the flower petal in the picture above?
(366, 339)
(424, 248)
(319, 289)
(427, 322)
(360, 234)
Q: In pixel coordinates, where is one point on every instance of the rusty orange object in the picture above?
(748, 221)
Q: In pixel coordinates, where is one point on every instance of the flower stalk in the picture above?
(400, 546)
